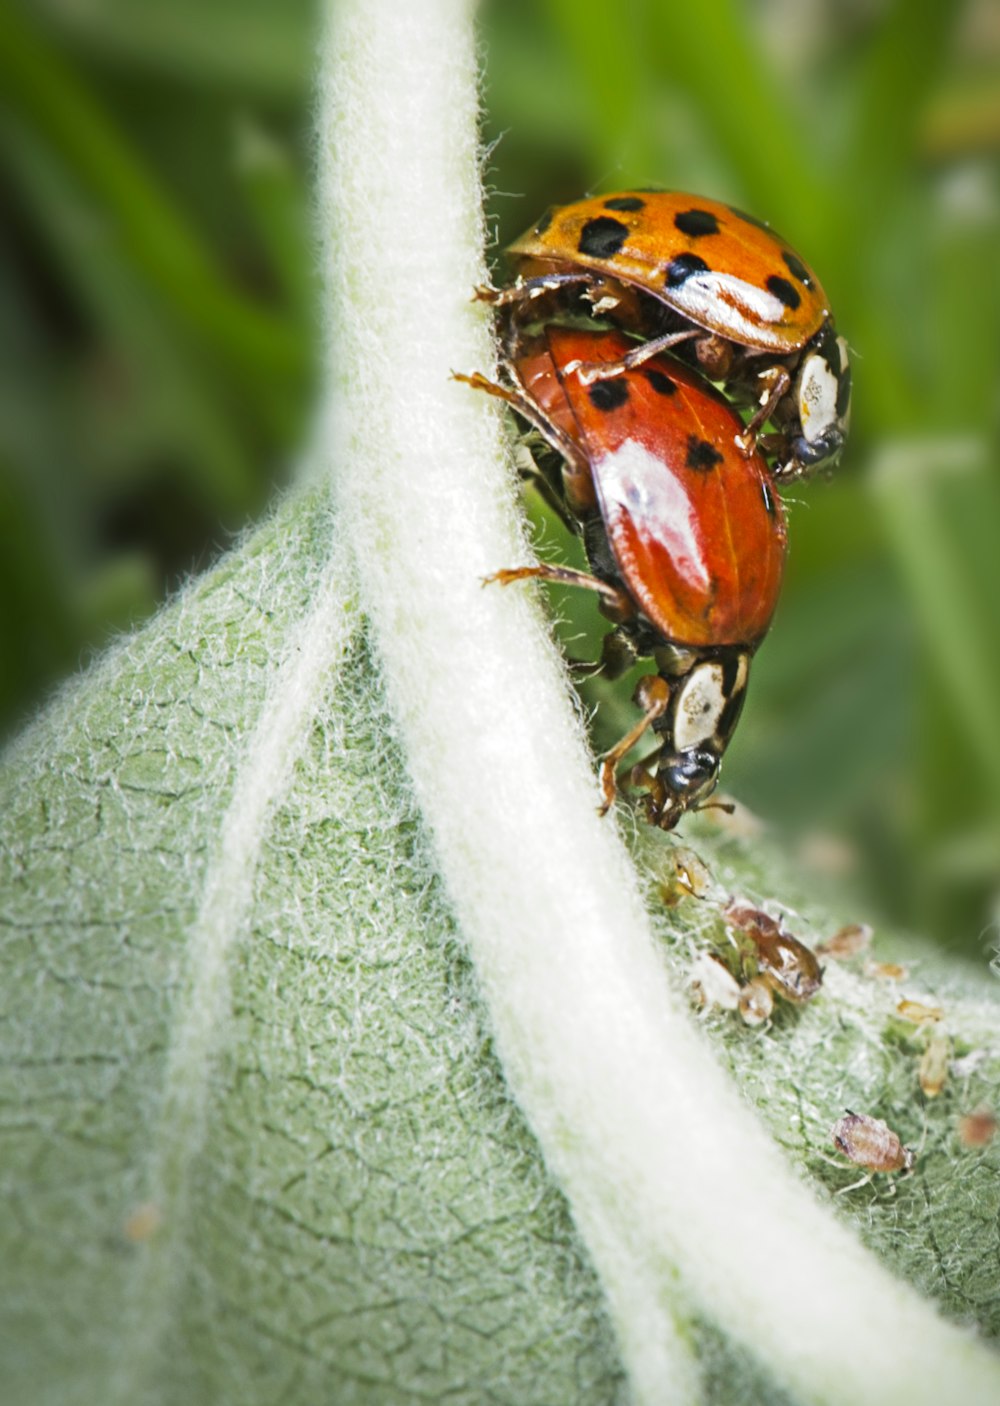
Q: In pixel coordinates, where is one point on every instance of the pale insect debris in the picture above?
(886, 971)
(847, 942)
(919, 1012)
(713, 984)
(934, 1062)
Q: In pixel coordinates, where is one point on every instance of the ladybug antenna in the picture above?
(728, 806)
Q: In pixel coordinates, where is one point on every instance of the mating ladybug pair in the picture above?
(671, 492)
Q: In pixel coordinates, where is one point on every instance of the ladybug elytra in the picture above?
(713, 283)
(683, 531)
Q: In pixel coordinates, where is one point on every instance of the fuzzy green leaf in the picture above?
(326, 1192)
(359, 1214)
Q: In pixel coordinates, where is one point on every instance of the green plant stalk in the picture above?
(666, 1171)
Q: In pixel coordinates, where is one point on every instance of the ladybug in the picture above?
(684, 534)
(718, 285)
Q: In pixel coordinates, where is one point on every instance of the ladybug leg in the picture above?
(590, 371)
(531, 472)
(617, 656)
(576, 475)
(528, 410)
(776, 382)
(653, 697)
(616, 598)
(529, 289)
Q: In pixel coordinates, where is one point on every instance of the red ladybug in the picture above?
(684, 533)
(729, 293)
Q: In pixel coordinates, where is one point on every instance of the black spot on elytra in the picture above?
(625, 202)
(679, 270)
(797, 268)
(661, 384)
(696, 223)
(768, 497)
(608, 395)
(545, 221)
(701, 454)
(602, 238)
(783, 291)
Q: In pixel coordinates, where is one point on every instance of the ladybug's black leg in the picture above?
(620, 603)
(653, 697)
(775, 382)
(603, 370)
(618, 654)
(529, 471)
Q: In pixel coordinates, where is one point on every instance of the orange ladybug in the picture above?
(717, 285)
(684, 533)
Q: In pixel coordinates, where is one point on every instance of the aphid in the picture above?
(870, 1143)
(886, 971)
(846, 942)
(713, 984)
(685, 536)
(722, 288)
(756, 1001)
(978, 1129)
(689, 877)
(919, 1012)
(142, 1223)
(934, 1062)
(788, 966)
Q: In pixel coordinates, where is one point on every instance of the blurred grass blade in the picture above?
(711, 50)
(617, 112)
(913, 486)
(899, 71)
(49, 93)
(173, 402)
(251, 45)
(278, 203)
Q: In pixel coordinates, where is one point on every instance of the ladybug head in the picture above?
(690, 776)
(705, 704)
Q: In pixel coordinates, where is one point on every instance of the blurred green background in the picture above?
(158, 344)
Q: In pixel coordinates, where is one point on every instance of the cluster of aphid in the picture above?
(761, 961)
(637, 327)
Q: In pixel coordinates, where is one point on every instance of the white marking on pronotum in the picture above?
(633, 482)
(700, 704)
(742, 669)
(818, 388)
